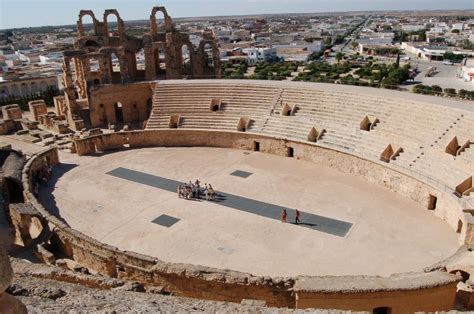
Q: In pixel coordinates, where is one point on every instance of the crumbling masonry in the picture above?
(106, 57)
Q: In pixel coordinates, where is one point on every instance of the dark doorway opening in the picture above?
(290, 152)
(459, 229)
(118, 112)
(256, 146)
(382, 310)
(432, 202)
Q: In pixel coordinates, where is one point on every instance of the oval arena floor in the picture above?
(349, 226)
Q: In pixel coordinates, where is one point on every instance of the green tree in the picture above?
(451, 92)
(448, 55)
(437, 90)
(339, 56)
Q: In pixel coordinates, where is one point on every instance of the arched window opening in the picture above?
(15, 90)
(24, 89)
(88, 25)
(115, 63)
(208, 56)
(43, 85)
(34, 88)
(94, 65)
(140, 60)
(186, 58)
(160, 57)
(91, 46)
(112, 25)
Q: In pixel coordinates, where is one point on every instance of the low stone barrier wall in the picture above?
(423, 291)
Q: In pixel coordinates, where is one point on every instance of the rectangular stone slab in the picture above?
(165, 220)
(240, 173)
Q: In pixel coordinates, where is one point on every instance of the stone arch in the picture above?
(120, 23)
(154, 24)
(15, 90)
(187, 58)
(4, 91)
(91, 46)
(118, 76)
(206, 56)
(159, 50)
(34, 88)
(43, 85)
(24, 89)
(80, 25)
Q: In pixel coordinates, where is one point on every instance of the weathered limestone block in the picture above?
(26, 222)
(8, 304)
(11, 112)
(44, 255)
(37, 108)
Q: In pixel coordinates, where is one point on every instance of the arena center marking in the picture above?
(320, 223)
(165, 220)
(242, 174)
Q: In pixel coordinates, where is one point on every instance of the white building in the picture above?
(412, 27)
(458, 26)
(260, 54)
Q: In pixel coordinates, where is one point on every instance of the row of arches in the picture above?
(25, 88)
(105, 28)
(115, 65)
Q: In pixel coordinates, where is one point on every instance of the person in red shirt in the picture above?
(297, 216)
(283, 216)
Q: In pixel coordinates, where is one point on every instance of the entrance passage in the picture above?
(320, 223)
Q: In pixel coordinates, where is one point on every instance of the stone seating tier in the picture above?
(421, 130)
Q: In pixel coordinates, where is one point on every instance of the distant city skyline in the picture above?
(31, 13)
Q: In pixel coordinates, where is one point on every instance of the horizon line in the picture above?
(260, 14)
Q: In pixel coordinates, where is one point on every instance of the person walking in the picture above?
(297, 216)
(283, 216)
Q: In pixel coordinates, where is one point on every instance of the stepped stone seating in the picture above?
(204, 105)
(404, 134)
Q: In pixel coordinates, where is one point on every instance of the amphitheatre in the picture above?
(383, 180)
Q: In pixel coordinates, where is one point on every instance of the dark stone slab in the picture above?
(240, 173)
(316, 222)
(165, 220)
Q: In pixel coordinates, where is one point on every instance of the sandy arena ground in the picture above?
(390, 234)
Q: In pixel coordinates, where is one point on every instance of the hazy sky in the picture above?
(21, 13)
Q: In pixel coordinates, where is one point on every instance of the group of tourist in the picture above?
(40, 176)
(195, 191)
(284, 215)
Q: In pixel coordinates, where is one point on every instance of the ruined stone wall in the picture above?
(105, 48)
(423, 294)
(135, 99)
(434, 299)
